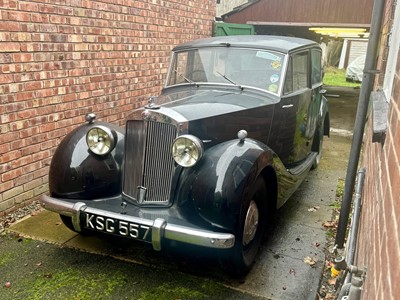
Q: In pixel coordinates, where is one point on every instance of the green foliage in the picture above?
(85, 286)
(337, 77)
(6, 258)
(168, 291)
(340, 188)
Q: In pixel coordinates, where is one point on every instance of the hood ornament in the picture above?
(151, 103)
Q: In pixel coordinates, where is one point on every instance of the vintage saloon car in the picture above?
(238, 125)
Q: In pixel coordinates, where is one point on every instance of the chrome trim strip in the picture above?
(160, 228)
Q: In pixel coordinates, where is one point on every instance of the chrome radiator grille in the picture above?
(149, 165)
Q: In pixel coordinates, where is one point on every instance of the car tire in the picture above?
(253, 217)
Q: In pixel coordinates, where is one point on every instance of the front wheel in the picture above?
(253, 213)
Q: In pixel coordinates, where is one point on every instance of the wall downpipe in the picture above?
(366, 88)
(352, 240)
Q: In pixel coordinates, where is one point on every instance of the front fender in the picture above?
(76, 173)
(216, 186)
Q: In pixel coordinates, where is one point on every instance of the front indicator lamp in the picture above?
(187, 150)
(101, 140)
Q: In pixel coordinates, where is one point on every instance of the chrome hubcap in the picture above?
(250, 223)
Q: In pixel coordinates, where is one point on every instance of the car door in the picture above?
(293, 134)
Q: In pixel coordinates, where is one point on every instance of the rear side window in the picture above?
(297, 73)
(316, 73)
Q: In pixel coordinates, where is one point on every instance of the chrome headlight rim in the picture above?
(189, 153)
(101, 140)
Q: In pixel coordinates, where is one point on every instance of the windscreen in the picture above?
(228, 65)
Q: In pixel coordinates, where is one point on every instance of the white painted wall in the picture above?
(226, 6)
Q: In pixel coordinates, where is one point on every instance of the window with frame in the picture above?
(297, 73)
(316, 66)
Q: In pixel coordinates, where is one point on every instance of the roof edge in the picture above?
(306, 24)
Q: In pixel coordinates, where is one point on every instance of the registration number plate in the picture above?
(117, 227)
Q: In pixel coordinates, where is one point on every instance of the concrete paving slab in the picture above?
(282, 277)
(45, 226)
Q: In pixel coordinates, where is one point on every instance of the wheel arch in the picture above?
(216, 197)
(271, 183)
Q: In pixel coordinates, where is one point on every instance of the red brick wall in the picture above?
(379, 239)
(62, 59)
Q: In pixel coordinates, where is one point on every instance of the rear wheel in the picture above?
(253, 213)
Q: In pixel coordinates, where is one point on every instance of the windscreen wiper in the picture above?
(230, 80)
(185, 78)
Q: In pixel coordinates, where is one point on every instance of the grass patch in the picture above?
(337, 77)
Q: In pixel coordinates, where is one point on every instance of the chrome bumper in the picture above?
(160, 229)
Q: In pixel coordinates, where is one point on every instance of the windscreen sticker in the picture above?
(274, 78)
(267, 55)
(276, 64)
(273, 88)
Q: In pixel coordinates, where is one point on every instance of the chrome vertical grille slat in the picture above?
(148, 161)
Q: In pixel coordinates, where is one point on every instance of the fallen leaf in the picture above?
(310, 261)
(33, 214)
(329, 264)
(7, 284)
(329, 224)
(314, 208)
(292, 271)
(332, 281)
(38, 264)
(330, 296)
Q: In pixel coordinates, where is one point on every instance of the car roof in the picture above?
(283, 44)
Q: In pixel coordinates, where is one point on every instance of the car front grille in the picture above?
(149, 166)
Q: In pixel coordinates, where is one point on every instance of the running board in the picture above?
(304, 166)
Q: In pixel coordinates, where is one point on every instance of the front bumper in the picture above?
(160, 229)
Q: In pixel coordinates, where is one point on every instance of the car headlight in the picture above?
(187, 150)
(101, 140)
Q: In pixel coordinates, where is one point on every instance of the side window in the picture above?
(288, 88)
(300, 71)
(316, 68)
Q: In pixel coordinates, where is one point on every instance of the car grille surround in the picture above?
(148, 164)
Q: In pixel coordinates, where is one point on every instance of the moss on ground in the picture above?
(75, 285)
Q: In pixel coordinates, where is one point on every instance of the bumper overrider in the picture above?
(84, 216)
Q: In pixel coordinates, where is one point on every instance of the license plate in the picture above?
(117, 227)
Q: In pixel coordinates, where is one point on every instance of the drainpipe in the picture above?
(352, 241)
(363, 101)
(354, 277)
